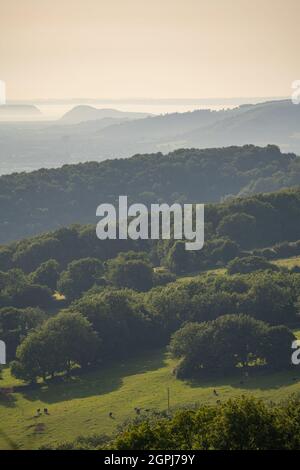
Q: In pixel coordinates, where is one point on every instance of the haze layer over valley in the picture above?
(87, 133)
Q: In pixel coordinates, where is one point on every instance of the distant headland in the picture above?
(21, 111)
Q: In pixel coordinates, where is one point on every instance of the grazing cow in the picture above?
(38, 413)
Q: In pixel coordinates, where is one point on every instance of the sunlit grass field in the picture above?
(82, 405)
(288, 262)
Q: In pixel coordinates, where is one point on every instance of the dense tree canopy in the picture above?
(228, 343)
(248, 264)
(96, 278)
(15, 324)
(18, 290)
(80, 276)
(32, 203)
(227, 235)
(59, 343)
(121, 320)
(240, 424)
(131, 270)
(47, 274)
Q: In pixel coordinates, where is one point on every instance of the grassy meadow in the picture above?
(82, 405)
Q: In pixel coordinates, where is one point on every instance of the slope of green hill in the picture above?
(267, 224)
(82, 405)
(31, 203)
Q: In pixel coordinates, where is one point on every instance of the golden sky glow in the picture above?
(149, 48)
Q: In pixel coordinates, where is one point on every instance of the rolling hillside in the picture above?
(102, 134)
(46, 199)
(82, 406)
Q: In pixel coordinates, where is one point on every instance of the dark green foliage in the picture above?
(15, 324)
(47, 274)
(131, 270)
(277, 347)
(280, 250)
(244, 423)
(266, 296)
(239, 227)
(56, 197)
(228, 343)
(32, 253)
(60, 343)
(127, 321)
(178, 260)
(274, 236)
(270, 298)
(6, 254)
(121, 320)
(240, 424)
(64, 246)
(33, 295)
(221, 251)
(171, 306)
(80, 276)
(163, 277)
(248, 264)
(17, 290)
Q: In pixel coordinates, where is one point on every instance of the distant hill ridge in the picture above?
(18, 109)
(85, 134)
(83, 113)
(31, 203)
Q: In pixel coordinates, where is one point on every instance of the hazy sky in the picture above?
(149, 48)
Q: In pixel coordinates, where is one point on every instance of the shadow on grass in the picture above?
(259, 380)
(97, 382)
(8, 402)
(8, 443)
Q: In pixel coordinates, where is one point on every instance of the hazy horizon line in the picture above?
(153, 101)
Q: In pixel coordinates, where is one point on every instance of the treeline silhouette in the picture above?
(32, 203)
